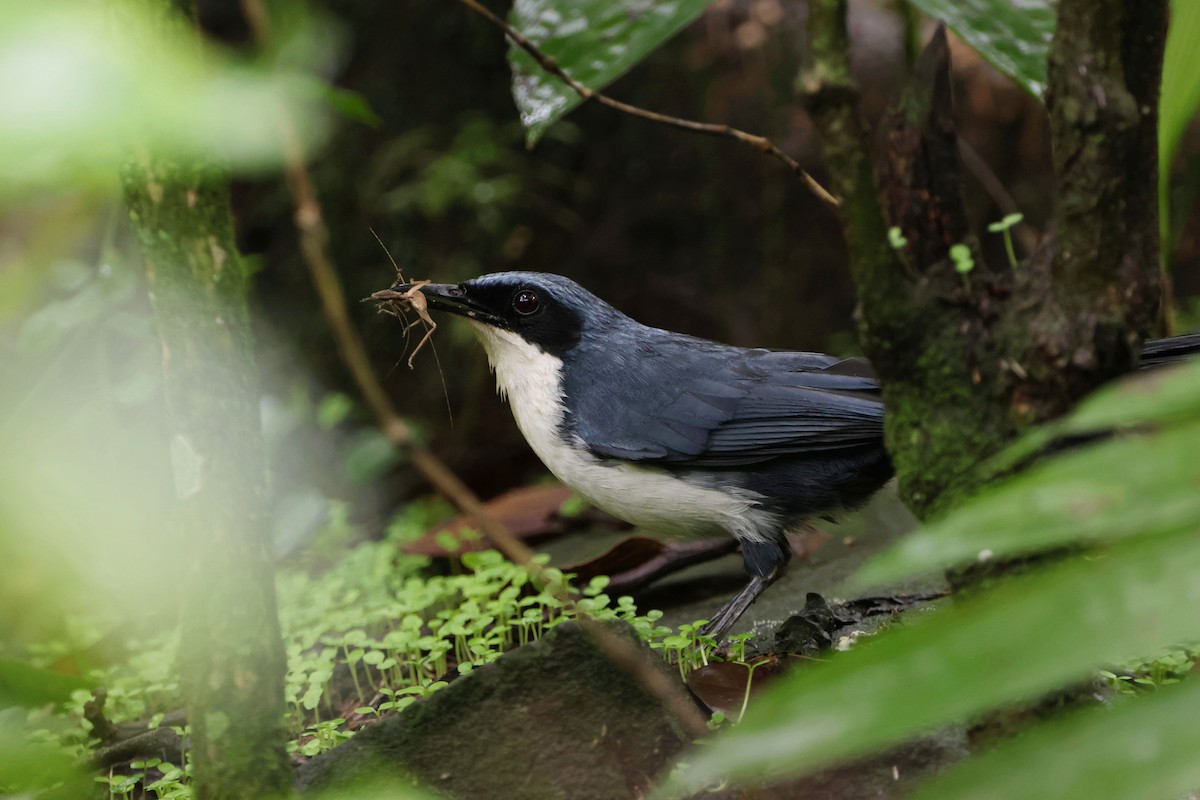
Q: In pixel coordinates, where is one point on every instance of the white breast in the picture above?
(531, 380)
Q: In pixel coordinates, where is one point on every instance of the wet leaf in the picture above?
(594, 41)
(1027, 637)
(1013, 36)
(638, 560)
(722, 686)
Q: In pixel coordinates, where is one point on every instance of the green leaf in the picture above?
(1013, 36)
(30, 768)
(26, 685)
(1180, 94)
(1144, 749)
(83, 84)
(1155, 397)
(1130, 486)
(594, 41)
(1180, 80)
(1020, 640)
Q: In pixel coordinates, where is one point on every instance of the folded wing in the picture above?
(680, 402)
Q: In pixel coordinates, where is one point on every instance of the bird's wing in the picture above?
(1160, 352)
(682, 404)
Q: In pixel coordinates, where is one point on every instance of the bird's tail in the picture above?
(1160, 352)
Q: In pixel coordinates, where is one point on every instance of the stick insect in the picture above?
(397, 303)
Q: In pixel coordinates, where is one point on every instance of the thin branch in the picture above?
(760, 143)
(314, 238)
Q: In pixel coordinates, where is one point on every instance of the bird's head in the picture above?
(548, 311)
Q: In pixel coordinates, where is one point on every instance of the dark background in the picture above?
(680, 231)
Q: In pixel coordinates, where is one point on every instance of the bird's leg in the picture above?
(723, 620)
(765, 561)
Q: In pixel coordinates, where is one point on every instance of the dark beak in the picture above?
(453, 299)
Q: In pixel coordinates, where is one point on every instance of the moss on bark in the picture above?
(232, 663)
(967, 361)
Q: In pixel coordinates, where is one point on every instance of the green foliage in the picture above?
(1013, 37)
(368, 636)
(1180, 95)
(1130, 590)
(1142, 749)
(84, 83)
(1093, 494)
(29, 764)
(594, 41)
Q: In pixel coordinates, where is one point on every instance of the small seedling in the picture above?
(1005, 227)
(896, 239)
(960, 254)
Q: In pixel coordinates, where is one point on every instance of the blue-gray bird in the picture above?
(672, 432)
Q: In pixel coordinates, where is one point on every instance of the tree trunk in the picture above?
(232, 662)
(967, 361)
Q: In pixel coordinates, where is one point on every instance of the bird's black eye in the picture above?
(525, 302)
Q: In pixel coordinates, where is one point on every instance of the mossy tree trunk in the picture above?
(232, 661)
(967, 361)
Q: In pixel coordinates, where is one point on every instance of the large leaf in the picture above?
(1180, 80)
(1180, 96)
(24, 684)
(1130, 485)
(1013, 36)
(594, 41)
(1103, 754)
(1014, 643)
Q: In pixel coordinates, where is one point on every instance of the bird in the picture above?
(680, 434)
(671, 432)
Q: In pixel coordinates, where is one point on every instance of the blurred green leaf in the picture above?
(1131, 485)
(1180, 80)
(1027, 637)
(1134, 486)
(36, 769)
(594, 41)
(333, 410)
(1143, 398)
(351, 105)
(1014, 37)
(369, 454)
(1144, 749)
(24, 684)
(1179, 99)
(82, 84)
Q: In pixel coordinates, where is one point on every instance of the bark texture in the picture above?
(232, 663)
(967, 361)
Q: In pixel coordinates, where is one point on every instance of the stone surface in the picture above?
(554, 720)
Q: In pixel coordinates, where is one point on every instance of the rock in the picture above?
(554, 720)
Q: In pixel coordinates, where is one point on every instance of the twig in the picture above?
(314, 238)
(760, 143)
